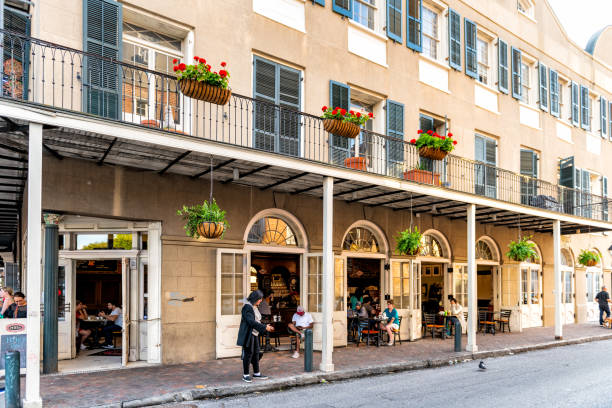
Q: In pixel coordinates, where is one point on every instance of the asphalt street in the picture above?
(573, 376)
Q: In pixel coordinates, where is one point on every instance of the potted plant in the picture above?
(422, 175)
(409, 242)
(434, 146)
(204, 220)
(521, 250)
(356, 162)
(588, 258)
(339, 122)
(199, 82)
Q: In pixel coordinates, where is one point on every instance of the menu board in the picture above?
(13, 338)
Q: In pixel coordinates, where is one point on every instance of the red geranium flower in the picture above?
(352, 112)
(337, 108)
(454, 142)
(370, 114)
(436, 135)
(335, 111)
(429, 132)
(343, 112)
(223, 64)
(202, 61)
(174, 61)
(208, 67)
(182, 66)
(419, 132)
(358, 114)
(175, 68)
(223, 73)
(413, 141)
(324, 108)
(196, 58)
(450, 134)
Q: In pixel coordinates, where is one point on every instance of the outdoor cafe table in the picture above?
(95, 324)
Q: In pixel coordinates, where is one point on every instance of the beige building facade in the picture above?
(530, 109)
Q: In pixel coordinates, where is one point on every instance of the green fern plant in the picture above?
(408, 241)
(199, 213)
(588, 258)
(521, 250)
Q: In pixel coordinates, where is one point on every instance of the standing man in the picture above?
(603, 298)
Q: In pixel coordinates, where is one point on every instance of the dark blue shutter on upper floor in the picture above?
(321, 2)
(517, 60)
(554, 92)
(454, 39)
(102, 28)
(603, 117)
(395, 129)
(340, 147)
(471, 54)
(414, 34)
(575, 104)
(394, 20)
(344, 7)
(502, 67)
(543, 86)
(16, 58)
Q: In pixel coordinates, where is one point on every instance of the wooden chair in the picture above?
(396, 332)
(504, 320)
(365, 328)
(117, 335)
(485, 323)
(431, 325)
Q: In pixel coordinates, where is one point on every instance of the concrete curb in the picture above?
(305, 379)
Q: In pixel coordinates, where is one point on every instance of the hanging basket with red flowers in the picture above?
(339, 122)
(197, 81)
(434, 146)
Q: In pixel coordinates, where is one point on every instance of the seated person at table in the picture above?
(367, 305)
(392, 321)
(361, 311)
(357, 297)
(81, 314)
(20, 310)
(457, 311)
(6, 294)
(301, 320)
(115, 323)
(264, 306)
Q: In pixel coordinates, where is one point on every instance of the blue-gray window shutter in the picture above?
(554, 93)
(578, 193)
(341, 147)
(502, 67)
(394, 20)
(585, 109)
(454, 39)
(587, 201)
(321, 2)
(517, 59)
(529, 168)
(610, 120)
(604, 193)
(485, 174)
(543, 81)
(102, 27)
(414, 34)
(603, 116)
(395, 129)
(471, 55)
(567, 178)
(18, 22)
(575, 104)
(344, 7)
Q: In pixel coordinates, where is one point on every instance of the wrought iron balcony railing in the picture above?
(39, 72)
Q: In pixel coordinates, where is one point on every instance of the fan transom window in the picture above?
(272, 231)
(430, 246)
(483, 251)
(360, 240)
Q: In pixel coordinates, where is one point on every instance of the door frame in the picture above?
(528, 309)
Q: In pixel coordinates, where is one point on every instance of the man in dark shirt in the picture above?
(603, 298)
(20, 311)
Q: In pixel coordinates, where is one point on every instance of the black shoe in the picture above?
(247, 378)
(260, 377)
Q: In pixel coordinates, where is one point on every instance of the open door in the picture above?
(66, 333)
(125, 303)
(313, 291)
(339, 320)
(231, 289)
(400, 293)
(415, 300)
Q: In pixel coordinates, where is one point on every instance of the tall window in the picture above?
(145, 96)
(524, 285)
(535, 287)
(525, 82)
(484, 68)
(431, 37)
(400, 272)
(529, 169)
(526, 7)
(365, 13)
(485, 171)
(315, 291)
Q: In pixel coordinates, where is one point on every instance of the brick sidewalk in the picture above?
(108, 387)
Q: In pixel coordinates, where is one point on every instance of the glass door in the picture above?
(531, 296)
(339, 320)
(567, 296)
(313, 290)
(400, 293)
(415, 300)
(66, 330)
(594, 281)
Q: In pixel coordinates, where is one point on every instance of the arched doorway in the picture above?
(567, 287)
(531, 291)
(593, 284)
(488, 274)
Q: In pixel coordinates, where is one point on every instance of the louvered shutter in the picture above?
(102, 27)
(543, 81)
(414, 38)
(554, 93)
(528, 168)
(394, 20)
(454, 39)
(586, 196)
(578, 187)
(471, 56)
(395, 129)
(265, 112)
(289, 100)
(516, 73)
(16, 56)
(585, 114)
(603, 116)
(567, 179)
(491, 170)
(502, 67)
(341, 147)
(479, 168)
(604, 193)
(344, 7)
(575, 104)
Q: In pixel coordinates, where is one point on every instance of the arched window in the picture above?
(430, 246)
(360, 239)
(566, 258)
(272, 231)
(483, 251)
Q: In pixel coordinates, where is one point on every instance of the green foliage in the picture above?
(120, 241)
(199, 213)
(587, 257)
(356, 118)
(522, 250)
(408, 242)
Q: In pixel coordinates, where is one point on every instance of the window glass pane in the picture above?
(524, 287)
(525, 82)
(535, 287)
(568, 287)
(430, 33)
(483, 61)
(339, 284)
(103, 241)
(61, 293)
(315, 265)
(364, 12)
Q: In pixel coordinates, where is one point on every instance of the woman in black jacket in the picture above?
(248, 336)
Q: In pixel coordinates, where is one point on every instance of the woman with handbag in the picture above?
(248, 336)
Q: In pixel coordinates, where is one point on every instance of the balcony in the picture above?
(40, 73)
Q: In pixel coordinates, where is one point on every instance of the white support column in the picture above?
(472, 289)
(328, 276)
(33, 272)
(557, 259)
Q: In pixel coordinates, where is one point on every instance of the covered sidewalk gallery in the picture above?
(341, 218)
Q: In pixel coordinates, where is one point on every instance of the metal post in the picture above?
(472, 290)
(557, 274)
(328, 276)
(50, 300)
(34, 244)
(12, 394)
(458, 330)
(308, 350)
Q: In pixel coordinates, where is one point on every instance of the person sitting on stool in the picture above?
(115, 323)
(301, 320)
